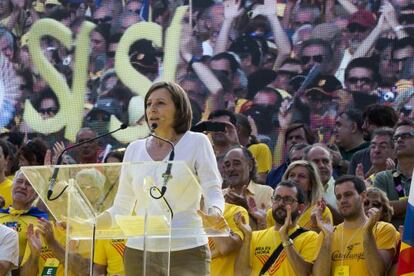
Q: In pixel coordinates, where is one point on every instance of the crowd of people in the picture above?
(308, 106)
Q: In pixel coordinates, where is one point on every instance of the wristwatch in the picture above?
(287, 243)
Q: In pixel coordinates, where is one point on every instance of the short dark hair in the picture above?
(223, 112)
(328, 52)
(405, 122)
(46, 93)
(243, 123)
(5, 148)
(359, 184)
(183, 114)
(300, 194)
(34, 151)
(355, 116)
(384, 131)
(310, 138)
(118, 154)
(234, 65)
(363, 62)
(380, 115)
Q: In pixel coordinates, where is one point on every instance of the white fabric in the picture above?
(340, 72)
(197, 153)
(329, 194)
(9, 246)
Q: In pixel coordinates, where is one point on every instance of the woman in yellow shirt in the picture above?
(307, 176)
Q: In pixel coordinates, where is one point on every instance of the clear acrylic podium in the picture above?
(155, 225)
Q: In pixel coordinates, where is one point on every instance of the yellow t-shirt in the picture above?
(263, 156)
(6, 191)
(19, 222)
(110, 253)
(264, 242)
(303, 221)
(47, 259)
(347, 246)
(224, 265)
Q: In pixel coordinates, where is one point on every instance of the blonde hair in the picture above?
(316, 191)
(387, 210)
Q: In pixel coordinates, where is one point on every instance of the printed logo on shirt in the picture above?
(13, 225)
(338, 255)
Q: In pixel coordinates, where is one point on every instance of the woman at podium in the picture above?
(168, 114)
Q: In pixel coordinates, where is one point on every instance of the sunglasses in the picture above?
(48, 110)
(102, 20)
(356, 28)
(307, 59)
(355, 80)
(403, 135)
(375, 204)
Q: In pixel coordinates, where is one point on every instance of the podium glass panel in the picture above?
(155, 224)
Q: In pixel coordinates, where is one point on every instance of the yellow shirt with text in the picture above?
(264, 242)
(110, 253)
(224, 265)
(6, 191)
(304, 220)
(347, 246)
(47, 256)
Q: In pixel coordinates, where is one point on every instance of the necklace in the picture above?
(347, 243)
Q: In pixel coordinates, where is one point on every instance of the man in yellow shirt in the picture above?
(5, 183)
(225, 249)
(361, 245)
(239, 171)
(285, 249)
(109, 257)
(21, 213)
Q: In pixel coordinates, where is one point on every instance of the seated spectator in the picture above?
(375, 116)
(306, 175)
(289, 135)
(260, 254)
(349, 136)
(33, 153)
(9, 250)
(396, 183)
(239, 173)
(370, 244)
(21, 213)
(381, 154)
(376, 198)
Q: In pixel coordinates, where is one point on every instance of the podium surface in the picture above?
(85, 198)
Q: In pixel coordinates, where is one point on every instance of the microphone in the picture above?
(167, 175)
(52, 181)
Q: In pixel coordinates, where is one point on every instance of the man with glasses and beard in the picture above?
(361, 245)
(283, 249)
(396, 183)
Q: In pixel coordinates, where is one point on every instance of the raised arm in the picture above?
(377, 260)
(322, 265)
(300, 266)
(268, 9)
(348, 6)
(232, 10)
(242, 264)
